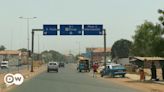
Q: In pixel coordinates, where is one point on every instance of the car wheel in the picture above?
(123, 76)
(79, 70)
(47, 70)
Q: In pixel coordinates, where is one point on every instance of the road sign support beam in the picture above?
(32, 47)
(105, 48)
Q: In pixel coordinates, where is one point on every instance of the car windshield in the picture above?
(52, 63)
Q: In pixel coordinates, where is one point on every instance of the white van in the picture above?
(4, 64)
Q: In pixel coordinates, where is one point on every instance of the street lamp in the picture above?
(28, 39)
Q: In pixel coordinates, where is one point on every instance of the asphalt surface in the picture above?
(69, 80)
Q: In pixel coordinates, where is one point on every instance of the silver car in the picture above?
(52, 66)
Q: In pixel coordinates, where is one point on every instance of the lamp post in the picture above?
(28, 39)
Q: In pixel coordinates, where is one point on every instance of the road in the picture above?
(69, 80)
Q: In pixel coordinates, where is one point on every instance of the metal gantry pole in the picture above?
(32, 48)
(32, 51)
(104, 48)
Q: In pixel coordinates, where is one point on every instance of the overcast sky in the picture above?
(119, 17)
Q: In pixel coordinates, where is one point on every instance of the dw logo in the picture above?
(11, 79)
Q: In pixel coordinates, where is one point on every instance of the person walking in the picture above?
(95, 67)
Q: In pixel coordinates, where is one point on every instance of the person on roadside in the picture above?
(95, 67)
(153, 71)
(163, 72)
(142, 74)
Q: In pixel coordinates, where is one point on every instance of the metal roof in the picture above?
(148, 58)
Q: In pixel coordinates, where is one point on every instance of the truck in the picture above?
(83, 65)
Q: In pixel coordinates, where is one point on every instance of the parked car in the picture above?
(52, 66)
(61, 64)
(113, 70)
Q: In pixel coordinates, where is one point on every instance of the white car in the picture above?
(52, 66)
(4, 64)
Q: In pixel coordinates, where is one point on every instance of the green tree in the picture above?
(121, 48)
(23, 50)
(161, 18)
(53, 56)
(148, 40)
(2, 48)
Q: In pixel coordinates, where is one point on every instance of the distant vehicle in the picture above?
(83, 65)
(52, 66)
(4, 64)
(61, 64)
(114, 69)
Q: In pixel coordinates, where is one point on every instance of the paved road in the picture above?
(69, 80)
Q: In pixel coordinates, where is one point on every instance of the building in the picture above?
(13, 56)
(146, 61)
(97, 54)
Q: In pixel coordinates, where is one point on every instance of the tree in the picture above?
(161, 18)
(53, 56)
(2, 48)
(148, 40)
(121, 48)
(23, 50)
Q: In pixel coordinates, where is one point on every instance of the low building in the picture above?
(146, 61)
(13, 56)
(123, 61)
(97, 54)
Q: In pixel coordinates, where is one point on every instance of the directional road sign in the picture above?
(93, 29)
(50, 29)
(70, 29)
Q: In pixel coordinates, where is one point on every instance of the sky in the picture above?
(119, 18)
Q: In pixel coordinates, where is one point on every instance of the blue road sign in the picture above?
(93, 29)
(50, 29)
(70, 29)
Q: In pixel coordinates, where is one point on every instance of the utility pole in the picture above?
(28, 36)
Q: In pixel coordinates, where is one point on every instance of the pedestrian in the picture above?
(95, 67)
(153, 71)
(163, 72)
(142, 74)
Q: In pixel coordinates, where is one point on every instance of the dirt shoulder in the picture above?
(27, 75)
(146, 86)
